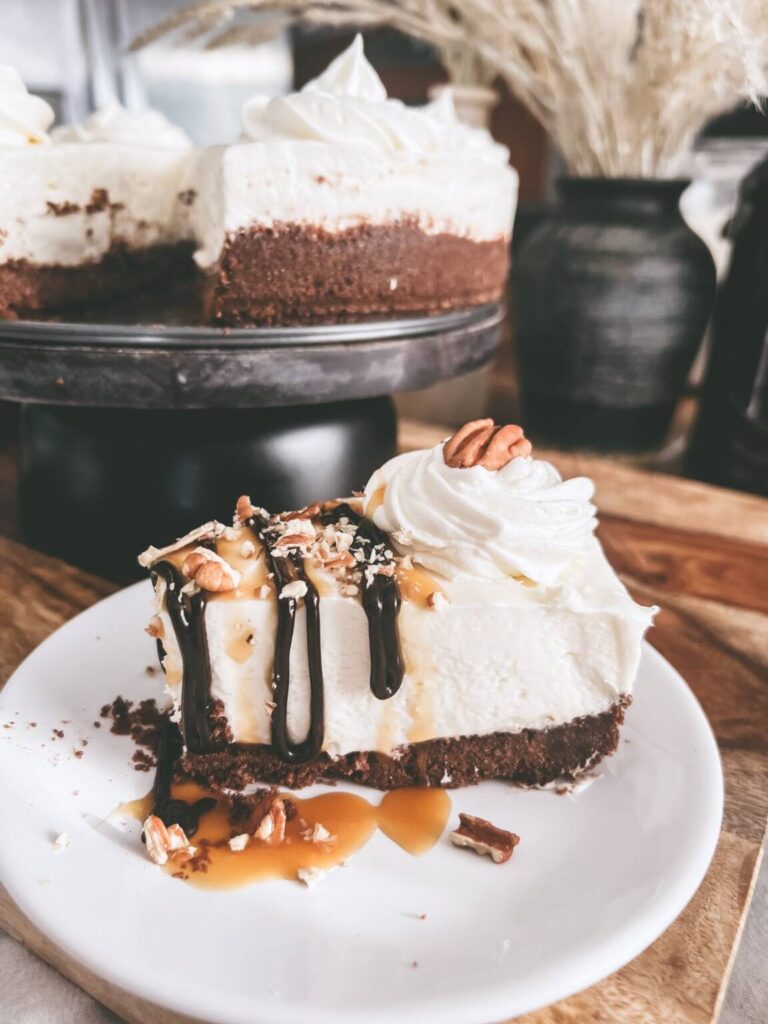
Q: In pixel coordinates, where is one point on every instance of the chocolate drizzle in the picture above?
(187, 614)
(381, 603)
(290, 569)
(169, 810)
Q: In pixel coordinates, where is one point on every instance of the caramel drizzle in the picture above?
(381, 603)
(187, 614)
(288, 569)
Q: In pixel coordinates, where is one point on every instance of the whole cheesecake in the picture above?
(340, 203)
(88, 212)
(456, 622)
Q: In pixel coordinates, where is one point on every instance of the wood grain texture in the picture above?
(699, 552)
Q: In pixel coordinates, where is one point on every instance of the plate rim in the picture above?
(498, 1002)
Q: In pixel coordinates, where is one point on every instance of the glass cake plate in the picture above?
(447, 938)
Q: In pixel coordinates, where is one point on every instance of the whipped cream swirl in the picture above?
(521, 520)
(24, 118)
(115, 123)
(348, 105)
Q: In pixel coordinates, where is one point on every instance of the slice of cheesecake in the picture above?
(457, 622)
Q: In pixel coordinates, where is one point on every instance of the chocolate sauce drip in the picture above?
(187, 614)
(168, 809)
(381, 603)
(288, 569)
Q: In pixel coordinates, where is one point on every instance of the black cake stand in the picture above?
(132, 434)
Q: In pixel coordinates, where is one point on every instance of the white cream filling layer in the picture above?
(497, 657)
(337, 187)
(142, 185)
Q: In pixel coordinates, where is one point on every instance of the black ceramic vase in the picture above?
(612, 293)
(730, 443)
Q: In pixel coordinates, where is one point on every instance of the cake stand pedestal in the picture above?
(132, 434)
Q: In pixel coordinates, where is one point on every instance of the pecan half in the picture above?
(210, 571)
(482, 443)
(484, 838)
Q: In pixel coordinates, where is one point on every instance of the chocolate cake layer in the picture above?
(297, 275)
(533, 757)
(28, 290)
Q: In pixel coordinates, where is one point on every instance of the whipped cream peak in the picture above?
(350, 74)
(24, 118)
(347, 105)
(115, 123)
(522, 519)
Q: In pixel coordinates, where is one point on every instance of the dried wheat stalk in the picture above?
(622, 86)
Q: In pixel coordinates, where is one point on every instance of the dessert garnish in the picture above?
(484, 838)
(482, 443)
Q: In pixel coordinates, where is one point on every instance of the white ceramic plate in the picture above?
(596, 877)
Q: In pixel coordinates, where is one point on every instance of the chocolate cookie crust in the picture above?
(533, 757)
(291, 274)
(28, 289)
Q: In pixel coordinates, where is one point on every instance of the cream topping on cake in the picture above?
(24, 118)
(340, 155)
(348, 105)
(479, 524)
(111, 182)
(115, 123)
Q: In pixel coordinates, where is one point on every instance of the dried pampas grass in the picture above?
(622, 86)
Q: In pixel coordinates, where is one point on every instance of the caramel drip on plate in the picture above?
(413, 818)
(290, 569)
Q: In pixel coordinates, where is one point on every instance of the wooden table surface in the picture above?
(700, 553)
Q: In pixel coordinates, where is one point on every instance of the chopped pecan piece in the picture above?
(272, 826)
(309, 512)
(209, 571)
(244, 509)
(167, 842)
(481, 836)
(155, 627)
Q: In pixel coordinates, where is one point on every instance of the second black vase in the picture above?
(612, 293)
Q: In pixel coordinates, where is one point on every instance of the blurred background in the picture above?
(637, 388)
